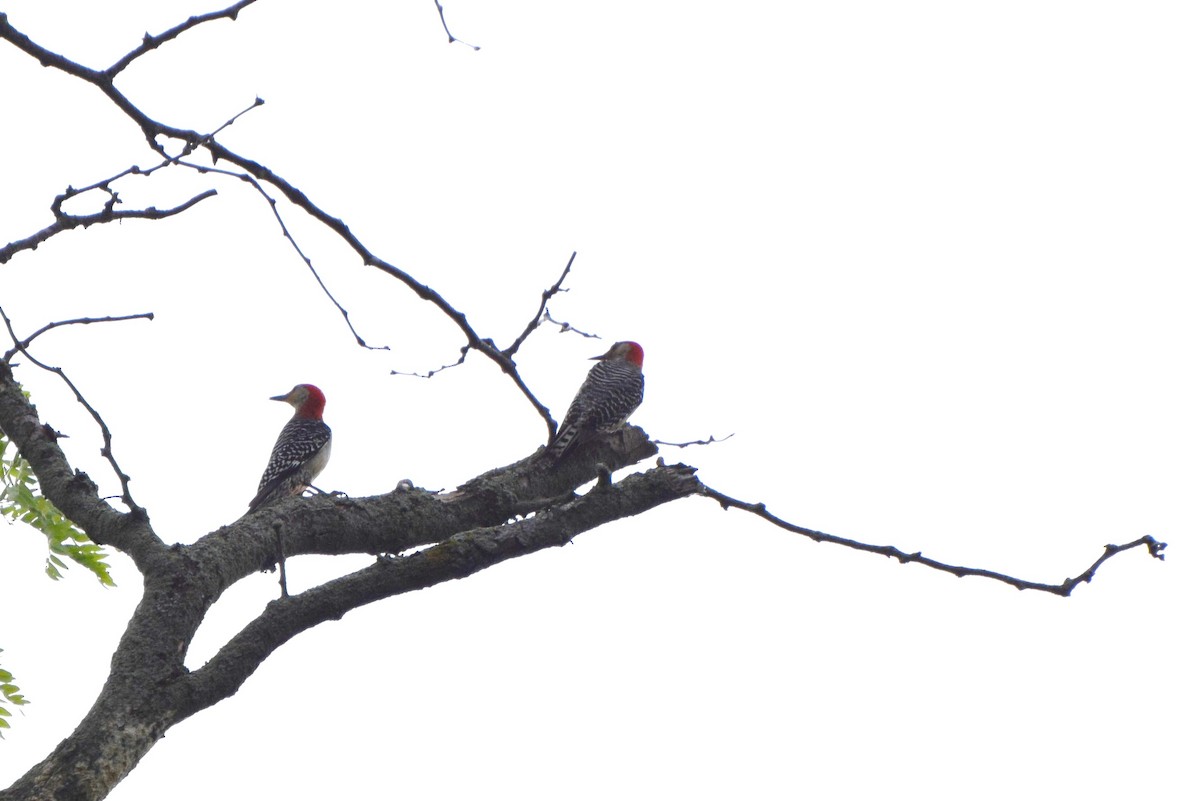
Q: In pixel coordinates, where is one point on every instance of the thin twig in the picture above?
(24, 343)
(710, 441)
(565, 327)
(453, 38)
(1064, 589)
(274, 205)
(537, 318)
(104, 184)
(277, 526)
(258, 101)
(431, 373)
(105, 433)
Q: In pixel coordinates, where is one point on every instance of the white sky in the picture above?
(934, 264)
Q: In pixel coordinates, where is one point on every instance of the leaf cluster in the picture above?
(21, 500)
(10, 694)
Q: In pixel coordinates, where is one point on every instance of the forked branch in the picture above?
(253, 171)
(21, 346)
(25, 343)
(65, 222)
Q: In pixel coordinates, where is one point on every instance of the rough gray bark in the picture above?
(472, 528)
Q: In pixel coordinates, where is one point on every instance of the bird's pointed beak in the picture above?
(286, 397)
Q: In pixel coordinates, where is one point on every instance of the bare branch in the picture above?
(487, 347)
(258, 101)
(452, 37)
(457, 557)
(47, 58)
(105, 433)
(711, 440)
(151, 42)
(274, 205)
(506, 356)
(565, 327)
(464, 350)
(151, 129)
(104, 184)
(66, 222)
(24, 343)
(424, 292)
(511, 350)
(1064, 589)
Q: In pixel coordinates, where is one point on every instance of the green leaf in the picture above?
(20, 499)
(10, 694)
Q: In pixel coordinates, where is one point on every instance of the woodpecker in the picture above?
(301, 451)
(610, 393)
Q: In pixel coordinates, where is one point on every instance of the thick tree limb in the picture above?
(149, 689)
(457, 557)
(409, 518)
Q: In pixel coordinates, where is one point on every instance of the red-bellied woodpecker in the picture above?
(610, 393)
(301, 451)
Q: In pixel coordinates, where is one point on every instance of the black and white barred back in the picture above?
(299, 455)
(609, 395)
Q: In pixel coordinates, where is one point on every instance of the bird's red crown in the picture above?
(629, 351)
(306, 399)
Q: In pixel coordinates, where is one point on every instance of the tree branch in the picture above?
(247, 178)
(712, 440)
(24, 343)
(565, 327)
(445, 27)
(72, 492)
(511, 350)
(151, 42)
(192, 140)
(462, 357)
(409, 518)
(1064, 589)
(65, 222)
(457, 557)
(105, 433)
(149, 689)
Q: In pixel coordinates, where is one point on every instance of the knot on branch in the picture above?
(1156, 548)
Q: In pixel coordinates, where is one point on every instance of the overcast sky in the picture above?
(934, 266)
